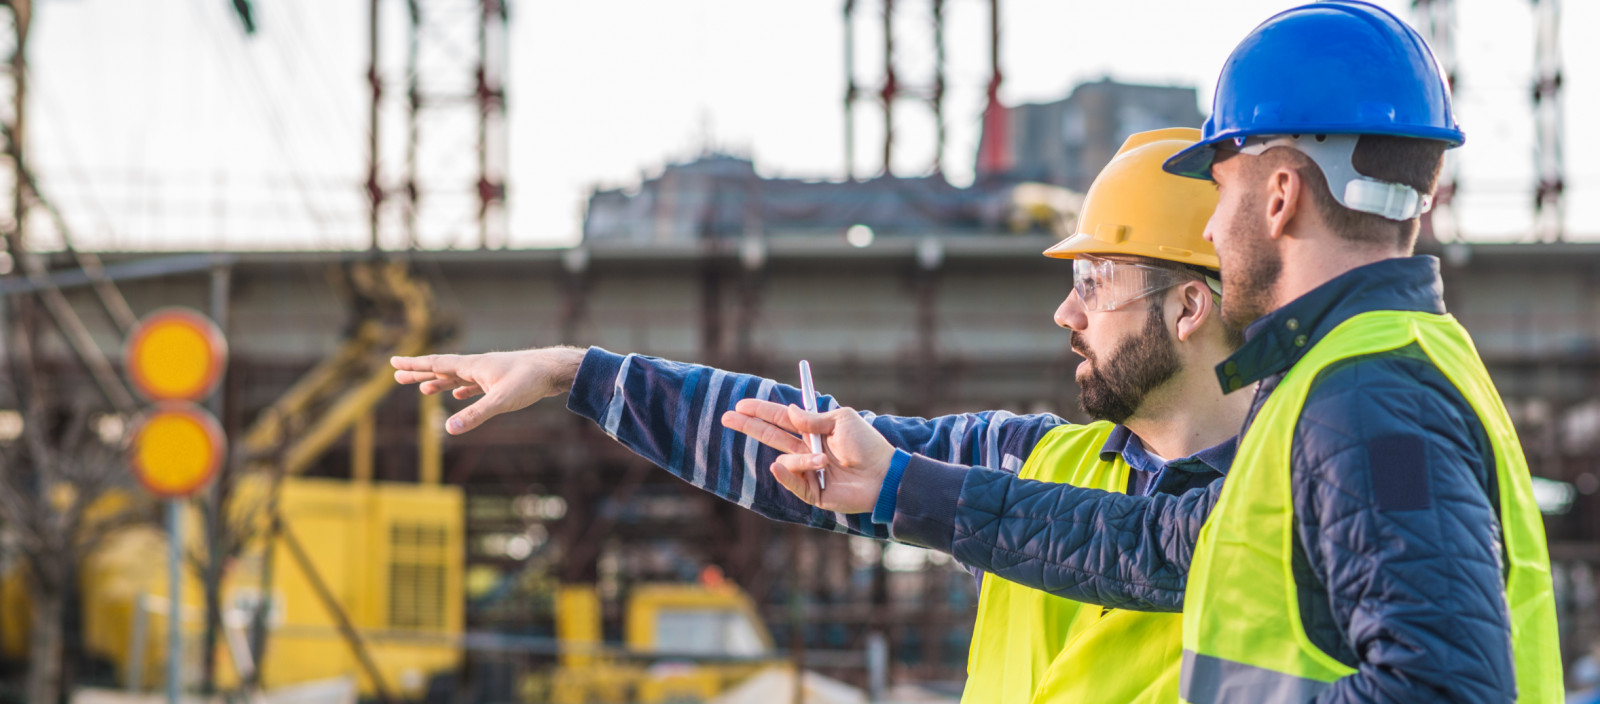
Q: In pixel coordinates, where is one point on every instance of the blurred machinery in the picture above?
(387, 555)
(376, 589)
(682, 642)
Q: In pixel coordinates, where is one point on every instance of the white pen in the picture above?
(808, 394)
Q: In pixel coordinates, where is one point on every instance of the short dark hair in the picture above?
(1403, 160)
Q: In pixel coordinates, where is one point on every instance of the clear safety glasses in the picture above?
(1108, 284)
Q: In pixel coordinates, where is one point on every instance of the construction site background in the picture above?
(351, 549)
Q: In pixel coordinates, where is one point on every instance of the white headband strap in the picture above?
(1334, 153)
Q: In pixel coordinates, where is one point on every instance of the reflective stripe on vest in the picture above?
(1209, 680)
(1242, 634)
(1029, 646)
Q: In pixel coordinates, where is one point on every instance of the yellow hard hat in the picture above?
(1134, 207)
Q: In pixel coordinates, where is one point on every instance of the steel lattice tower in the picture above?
(1437, 20)
(441, 183)
(1549, 208)
(892, 90)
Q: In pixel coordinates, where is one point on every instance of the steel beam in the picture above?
(149, 268)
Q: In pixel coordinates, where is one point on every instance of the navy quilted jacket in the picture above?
(1398, 556)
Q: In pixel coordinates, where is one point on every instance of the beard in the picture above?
(1116, 386)
(1250, 265)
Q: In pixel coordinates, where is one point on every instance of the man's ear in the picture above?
(1285, 197)
(1190, 307)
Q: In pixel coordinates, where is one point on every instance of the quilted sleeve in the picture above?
(1392, 494)
(1119, 551)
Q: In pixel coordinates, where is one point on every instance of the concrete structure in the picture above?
(721, 196)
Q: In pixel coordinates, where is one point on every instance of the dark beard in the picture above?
(1251, 267)
(1116, 386)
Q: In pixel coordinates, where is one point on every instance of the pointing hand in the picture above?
(507, 381)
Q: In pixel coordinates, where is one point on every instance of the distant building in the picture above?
(1067, 142)
(1063, 144)
(717, 195)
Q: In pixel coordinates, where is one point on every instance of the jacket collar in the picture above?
(1277, 340)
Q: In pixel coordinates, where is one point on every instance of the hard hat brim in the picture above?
(1195, 161)
(1192, 162)
(1068, 248)
(1085, 243)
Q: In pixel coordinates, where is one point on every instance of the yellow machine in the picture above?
(682, 642)
(390, 554)
(358, 576)
(364, 577)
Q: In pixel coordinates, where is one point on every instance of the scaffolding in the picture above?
(1549, 207)
(443, 183)
(16, 17)
(1436, 19)
(892, 89)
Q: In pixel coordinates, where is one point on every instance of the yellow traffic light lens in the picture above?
(175, 354)
(176, 451)
(175, 360)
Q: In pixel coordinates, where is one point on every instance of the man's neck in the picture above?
(1189, 414)
(1311, 261)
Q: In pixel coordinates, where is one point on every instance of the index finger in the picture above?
(804, 421)
(774, 413)
(763, 432)
(406, 377)
(438, 363)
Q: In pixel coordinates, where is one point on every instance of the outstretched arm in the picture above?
(667, 412)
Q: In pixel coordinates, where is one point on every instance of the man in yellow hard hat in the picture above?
(1144, 314)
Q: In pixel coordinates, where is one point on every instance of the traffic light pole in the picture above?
(175, 601)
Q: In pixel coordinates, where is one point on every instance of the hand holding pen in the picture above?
(856, 456)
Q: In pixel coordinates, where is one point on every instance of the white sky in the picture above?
(160, 125)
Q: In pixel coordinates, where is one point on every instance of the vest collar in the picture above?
(1277, 340)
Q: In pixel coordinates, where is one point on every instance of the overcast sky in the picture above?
(160, 125)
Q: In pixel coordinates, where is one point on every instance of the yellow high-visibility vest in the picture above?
(1029, 646)
(1242, 636)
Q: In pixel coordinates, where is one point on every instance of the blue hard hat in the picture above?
(1337, 67)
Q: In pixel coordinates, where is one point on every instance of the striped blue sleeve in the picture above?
(670, 414)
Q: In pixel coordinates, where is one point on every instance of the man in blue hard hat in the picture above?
(1376, 538)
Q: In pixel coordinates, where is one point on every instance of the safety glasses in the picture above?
(1108, 284)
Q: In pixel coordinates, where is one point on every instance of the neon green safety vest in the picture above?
(1242, 635)
(1029, 646)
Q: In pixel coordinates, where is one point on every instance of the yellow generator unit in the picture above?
(390, 555)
